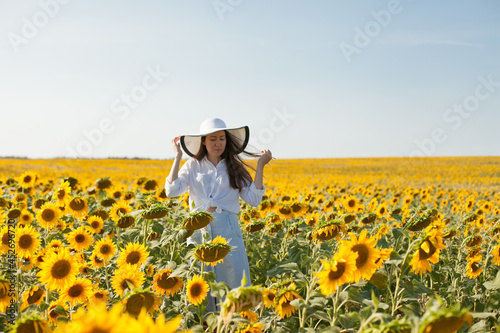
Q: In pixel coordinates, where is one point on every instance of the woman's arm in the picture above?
(174, 171)
(259, 172)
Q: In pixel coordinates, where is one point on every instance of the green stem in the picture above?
(106, 275)
(396, 296)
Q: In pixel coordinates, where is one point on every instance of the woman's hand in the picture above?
(265, 158)
(176, 145)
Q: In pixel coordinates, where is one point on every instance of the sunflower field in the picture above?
(336, 245)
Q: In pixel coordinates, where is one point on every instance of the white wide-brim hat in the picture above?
(191, 143)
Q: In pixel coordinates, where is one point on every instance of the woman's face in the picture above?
(215, 143)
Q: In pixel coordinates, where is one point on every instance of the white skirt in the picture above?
(235, 264)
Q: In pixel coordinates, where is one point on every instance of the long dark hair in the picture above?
(239, 177)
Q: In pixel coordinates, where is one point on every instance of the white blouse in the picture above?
(208, 186)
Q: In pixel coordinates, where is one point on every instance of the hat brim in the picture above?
(191, 143)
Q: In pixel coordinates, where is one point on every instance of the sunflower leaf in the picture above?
(493, 284)
(43, 306)
(60, 310)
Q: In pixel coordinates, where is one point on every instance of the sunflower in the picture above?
(133, 254)
(150, 185)
(55, 244)
(97, 318)
(496, 255)
(79, 239)
(139, 300)
(125, 221)
(26, 217)
(125, 278)
(382, 210)
(104, 215)
(105, 249)
(163, 283)
(197, 289)
(33, 295)
(297, 208)
(27, 242)
(118, 209)
(48, 215)
(351, 204)
(58, 270)
(5, 236)
(14, 213)
(31, 323)
(213, 253)
(96, 261)
(77, 292)
(5, 294)
(329, 229)
(268, 297)
(367, 254)
(337, 272)
(428, 250)
(95, 224)
(383, 256)
(53, 314)
(63, 193)
(78, 207)
(473, 270)
(284, 211)
(284, 298)
(249, 315)
(99, 295)
(27, 179)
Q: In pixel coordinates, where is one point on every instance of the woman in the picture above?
(216, 178)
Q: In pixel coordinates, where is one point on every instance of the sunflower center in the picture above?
(133, 257)
(285, 210)
(363, 254)
(25, 217)
(166, 282)
(27, 179)
(99, 295)
(95, 224)
(351, 203)
(196, 290)
(25, 241)
(75, 291)
(335, 275)
(77, 204)
(61, 194)
(35, 297)
(98, 260)
(48, 215)
(135, 304)
(426, 250)
(5, 239)
(474, 267)
(3, 291)
(122, 211)
(382, 210)
(61, 269)
(125, 283)
(53, 313)
(125, 221)
(105, 249)
(80, 238)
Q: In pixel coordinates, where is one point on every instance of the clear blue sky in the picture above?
(318, 78)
